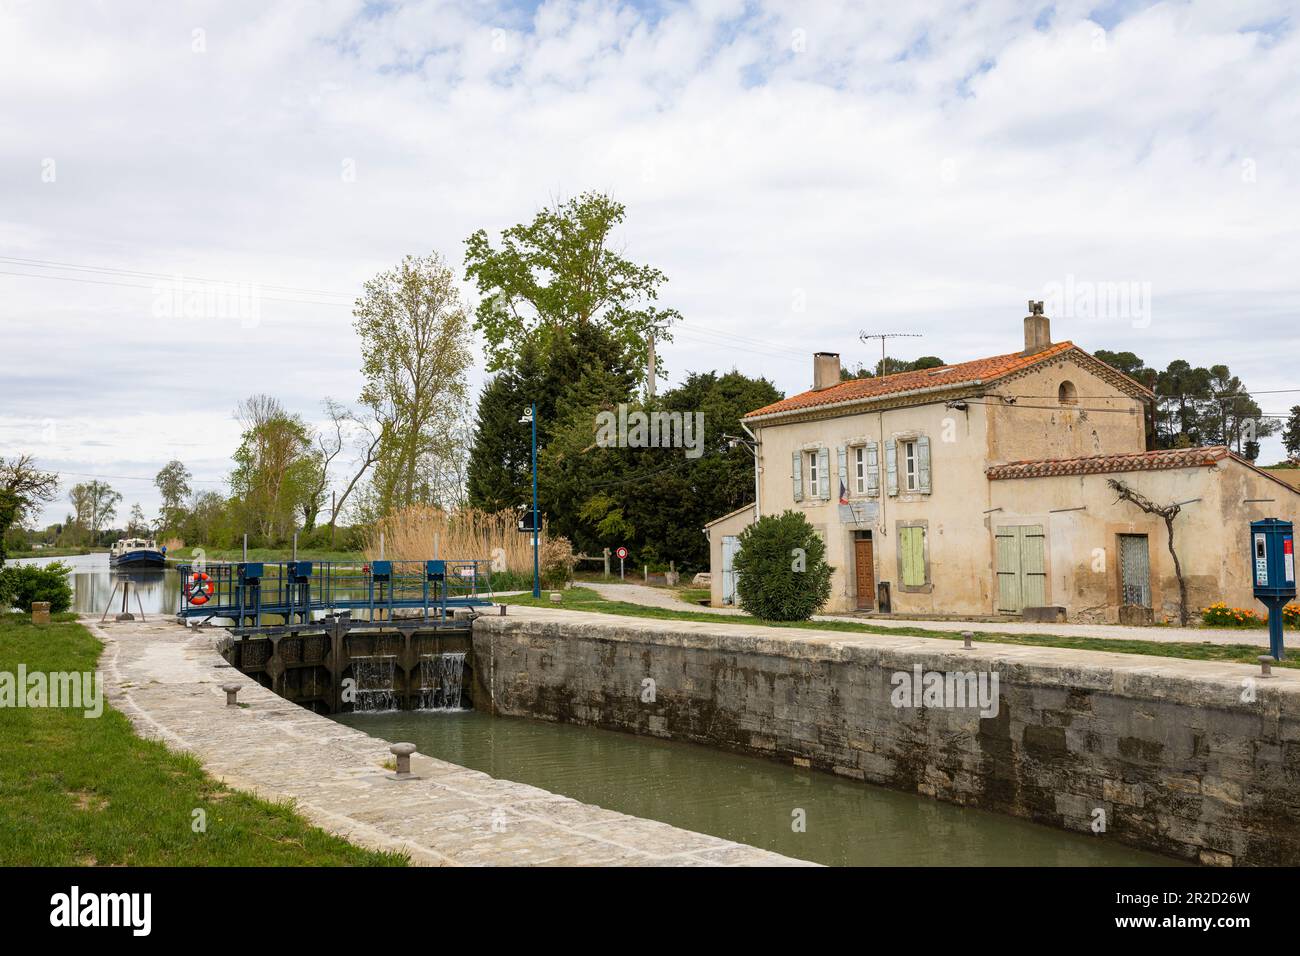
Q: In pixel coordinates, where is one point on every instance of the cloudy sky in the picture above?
(802, 172)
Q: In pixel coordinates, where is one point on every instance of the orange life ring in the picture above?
(199, 588)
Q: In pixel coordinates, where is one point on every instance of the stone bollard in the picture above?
(402, 752)
(40, 612)
(232, 691)
(503, 610)
(556, 597)
(1266, 662)
(965, 640)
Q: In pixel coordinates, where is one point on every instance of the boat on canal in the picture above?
(137, 554)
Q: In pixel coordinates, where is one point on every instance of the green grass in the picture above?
(50, 553)
(585, 599)
(268, 554)
(694, 595)
(88, 791)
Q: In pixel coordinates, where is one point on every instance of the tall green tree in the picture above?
(415, 349)
(559, 274)
(655, 500)
(173, 483)
(23, 487)
(1291, 433)
(500, 467)
(95, 505)
(274, 469)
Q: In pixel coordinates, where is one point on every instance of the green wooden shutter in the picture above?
(796, 471)
(1022, 568)
(873, 469)
(923, 464)
(891, 467)
(1008, 545)
(911, 544)
(1033, 586)
(843, 454)
(823, 489)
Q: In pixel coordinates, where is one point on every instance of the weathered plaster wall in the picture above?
(1104, 421)
(951, 511)
(1210, 534)
(1168, 750)
(732, 524)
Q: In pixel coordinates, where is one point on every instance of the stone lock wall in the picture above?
(1167, 750)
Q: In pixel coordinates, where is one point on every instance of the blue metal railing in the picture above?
(298, 590)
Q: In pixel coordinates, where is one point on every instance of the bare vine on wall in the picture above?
(1168, 513)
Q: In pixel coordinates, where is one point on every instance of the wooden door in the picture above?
(1022, 570)
(864, 568)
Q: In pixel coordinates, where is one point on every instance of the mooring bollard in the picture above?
(1266, 662)
(40, 612)
(403, 753)
(232, 691)
(503, 610)
(965, 640)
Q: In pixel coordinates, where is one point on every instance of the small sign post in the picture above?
(622, 554)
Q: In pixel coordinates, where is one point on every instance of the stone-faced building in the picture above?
(981, 488)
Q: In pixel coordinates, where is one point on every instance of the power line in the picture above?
(137, 285)
(82, 474)
(111, 270)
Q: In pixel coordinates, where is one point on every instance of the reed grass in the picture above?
(421, 532)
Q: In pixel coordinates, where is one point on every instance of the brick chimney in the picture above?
(826, 369)
(1038, 329)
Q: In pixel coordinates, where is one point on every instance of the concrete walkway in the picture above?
(664, 598)
(167, 679)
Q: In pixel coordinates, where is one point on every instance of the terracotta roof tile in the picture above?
(1104, 464)
(861, 389)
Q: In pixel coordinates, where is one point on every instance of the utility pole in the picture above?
(650, 372)
(530, 418)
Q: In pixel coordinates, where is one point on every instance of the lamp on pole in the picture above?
(530, 418)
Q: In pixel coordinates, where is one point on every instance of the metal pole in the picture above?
(295, 545)
(1275, 629)
(381, 546)
(537, 565)
(245, 547)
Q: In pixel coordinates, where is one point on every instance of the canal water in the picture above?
(739, 798)
(92, 583)
(745, 799)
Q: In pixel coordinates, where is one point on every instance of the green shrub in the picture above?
(781, 569)
(21, 585)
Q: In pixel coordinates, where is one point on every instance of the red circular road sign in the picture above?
(620, 553)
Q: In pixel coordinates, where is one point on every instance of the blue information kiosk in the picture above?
(1272, 550)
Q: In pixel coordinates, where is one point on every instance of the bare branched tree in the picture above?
(1168, 513)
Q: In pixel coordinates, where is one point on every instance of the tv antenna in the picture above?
(865, 337)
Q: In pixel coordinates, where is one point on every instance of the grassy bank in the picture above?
(88, 791)
(585, 599)
(52, 553)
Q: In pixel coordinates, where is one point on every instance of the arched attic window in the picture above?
(1067, 394)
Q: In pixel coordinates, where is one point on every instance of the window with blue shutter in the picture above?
(873, 469)
(823, 473)
(891, 467)
(796, 471)
(923, 465)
